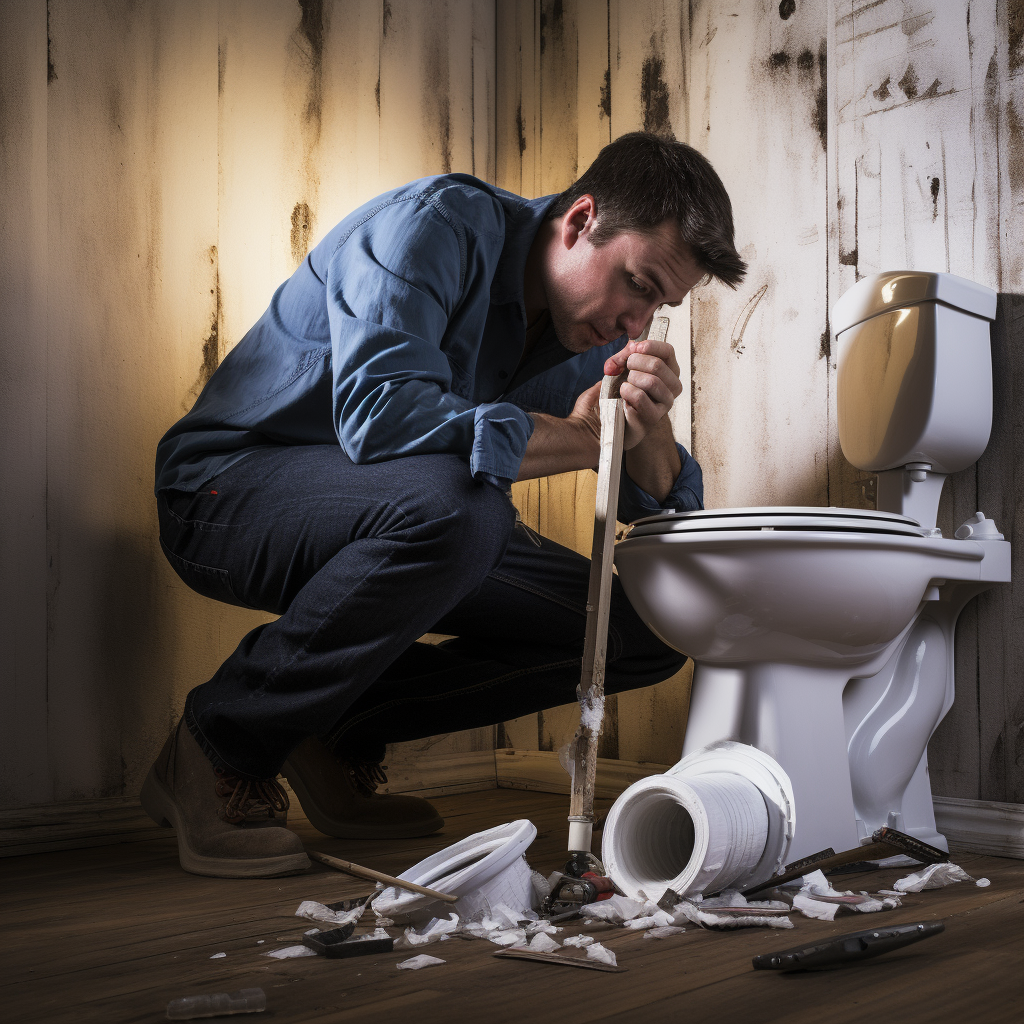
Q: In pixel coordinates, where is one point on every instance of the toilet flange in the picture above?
(754, 765)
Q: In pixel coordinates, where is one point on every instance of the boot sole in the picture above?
(347, 830)
(158, 802)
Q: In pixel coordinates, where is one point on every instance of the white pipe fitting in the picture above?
(721, 818)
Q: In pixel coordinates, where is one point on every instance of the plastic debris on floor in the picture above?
(506, 914)
(217, 1004)
(313, 911)
(818, 899)
(602, 954)
(934, 876)
(731, 909)
(289, 952)
(418, 962)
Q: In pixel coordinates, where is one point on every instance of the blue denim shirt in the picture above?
(401, 334)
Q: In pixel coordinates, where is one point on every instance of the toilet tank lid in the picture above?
(897, 288)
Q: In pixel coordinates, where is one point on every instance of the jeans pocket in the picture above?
(204, 579)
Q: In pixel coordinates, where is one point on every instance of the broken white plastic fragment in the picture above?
(217, 956)
(313, 911)
(663, 933)
(720, 912)
(418, 962)
(934, 876)
(602, 954)
(289, 952)
(982, 882)
(438, 928)
(512, 937)
(579, 941)
(616, 909)
(542, 943)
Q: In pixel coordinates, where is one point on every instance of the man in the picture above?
(347, 466)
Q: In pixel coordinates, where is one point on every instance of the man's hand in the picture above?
(651, 388)
(560, 445)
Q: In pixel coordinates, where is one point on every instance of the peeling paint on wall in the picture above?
(437, 83)
(1015, 149)
(654, 92)
(780, 63)
(786, 9)
(605, 104)
(211, 343)
(302, 231)
(1015, 33)
(51, 70)
(310, 37)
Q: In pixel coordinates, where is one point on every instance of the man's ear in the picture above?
(579, 220)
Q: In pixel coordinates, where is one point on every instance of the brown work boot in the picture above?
(227, 827)
(340, 797)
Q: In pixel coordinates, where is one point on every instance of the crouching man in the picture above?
(347, 469)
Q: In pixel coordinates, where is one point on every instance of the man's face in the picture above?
(597, 293)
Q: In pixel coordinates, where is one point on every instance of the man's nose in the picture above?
(633, 322)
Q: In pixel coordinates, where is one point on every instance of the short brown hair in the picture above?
(641, 180)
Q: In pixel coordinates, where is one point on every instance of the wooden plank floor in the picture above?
(111, 934)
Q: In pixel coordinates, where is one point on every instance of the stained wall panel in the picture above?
(927, 175)
(131, 179)
(23, 255)
(757, 91)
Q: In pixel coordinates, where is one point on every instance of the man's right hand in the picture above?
(563, 445)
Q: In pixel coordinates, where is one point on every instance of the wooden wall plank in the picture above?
(23, 255)
(924, 108)
(757, 89)
(131, 173)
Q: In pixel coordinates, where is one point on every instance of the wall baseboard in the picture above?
(982, 826)
(75, 826)
(978, 826)
(540, 771)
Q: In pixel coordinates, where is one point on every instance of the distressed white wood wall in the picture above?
(571, 76)
(927, 171)
(163, 166)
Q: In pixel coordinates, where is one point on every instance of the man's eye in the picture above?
(638, 286)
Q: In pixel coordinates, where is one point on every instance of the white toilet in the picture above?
(823, 637)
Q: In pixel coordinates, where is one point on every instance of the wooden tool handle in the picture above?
(610, 385)
(584, 778)
(378, 876)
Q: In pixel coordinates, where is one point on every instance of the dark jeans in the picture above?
(360, 561)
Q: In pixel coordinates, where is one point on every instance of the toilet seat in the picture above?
(783, 518)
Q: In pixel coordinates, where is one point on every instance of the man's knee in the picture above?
(636, 657)
(466, 519)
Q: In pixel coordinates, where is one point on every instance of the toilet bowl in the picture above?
(823, 637)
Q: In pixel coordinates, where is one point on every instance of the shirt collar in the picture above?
(522, 222)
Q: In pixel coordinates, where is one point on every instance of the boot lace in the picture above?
(367, 775)
(248, 799)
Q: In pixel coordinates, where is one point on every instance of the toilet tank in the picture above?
(914, 365)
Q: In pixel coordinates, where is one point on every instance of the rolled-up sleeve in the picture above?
(392, 286)
(687, 494)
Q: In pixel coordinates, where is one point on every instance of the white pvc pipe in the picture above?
(691, 835)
